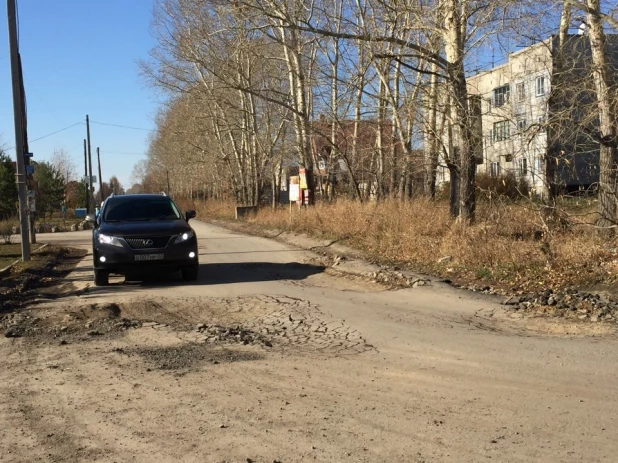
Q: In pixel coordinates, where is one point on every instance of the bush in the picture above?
(506, 186)
(6, 230)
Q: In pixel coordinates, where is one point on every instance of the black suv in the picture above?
(138, 233)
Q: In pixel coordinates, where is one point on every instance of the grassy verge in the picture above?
(509, 247)
(9, 253)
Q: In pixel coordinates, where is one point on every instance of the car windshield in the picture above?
(141, 209)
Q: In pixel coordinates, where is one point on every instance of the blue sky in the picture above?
(80, 57)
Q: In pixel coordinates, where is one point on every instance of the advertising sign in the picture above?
(294, 192)
(303, 178)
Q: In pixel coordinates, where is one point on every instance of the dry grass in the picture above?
(508, 246)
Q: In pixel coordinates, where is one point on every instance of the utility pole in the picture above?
(86, 177)
(90, 192)
(18, 115)
(100, 178)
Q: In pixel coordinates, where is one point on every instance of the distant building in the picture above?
(354, 150)
(528, 110)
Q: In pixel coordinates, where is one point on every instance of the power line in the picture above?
(93, 122)
(57, 131)
(49, 134)
(122, 126)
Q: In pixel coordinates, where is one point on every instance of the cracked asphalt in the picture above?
(274, 356)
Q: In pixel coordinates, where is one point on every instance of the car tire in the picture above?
(101, 277)
(190, 273)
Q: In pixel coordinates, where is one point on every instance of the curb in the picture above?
(6, 270)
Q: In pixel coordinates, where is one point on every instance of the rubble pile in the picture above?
(236, 334)
(569, 303)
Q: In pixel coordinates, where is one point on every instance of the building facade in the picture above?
(532, 110)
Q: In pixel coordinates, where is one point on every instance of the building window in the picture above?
(520, 90)
(521, 125)
(494, 169)
(501, 130)
(441, 174)
(541, 121)
(501, 95)
(538, 165)
(521, 166)
(540, 86)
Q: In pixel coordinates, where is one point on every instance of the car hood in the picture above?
(150, 228)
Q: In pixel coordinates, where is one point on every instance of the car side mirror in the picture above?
(190, 214)
(91, 218)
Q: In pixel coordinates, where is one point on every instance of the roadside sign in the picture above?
(31, 194)
(28, 155)
(85, 179)
(29, 169)
(294, 192)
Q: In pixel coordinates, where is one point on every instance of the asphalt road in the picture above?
(354, 372)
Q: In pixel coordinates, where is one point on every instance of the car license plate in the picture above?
(148, 256)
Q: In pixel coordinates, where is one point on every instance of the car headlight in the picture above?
(111, 240)
(184, 237)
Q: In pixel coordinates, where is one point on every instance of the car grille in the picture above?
(150, 242)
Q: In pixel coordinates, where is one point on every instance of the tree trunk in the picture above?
(291, 49)
(431, 146)
(607, 120)
(454, 33)
(557, 97)
(379, 160)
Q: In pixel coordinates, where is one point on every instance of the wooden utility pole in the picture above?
(86, 176)
(90, 192)
(101, 198)
(18, 114)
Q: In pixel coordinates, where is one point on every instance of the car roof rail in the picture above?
(163, 193)
(112, 195)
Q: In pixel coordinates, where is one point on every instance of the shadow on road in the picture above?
(209, 274)
(249, 272)
(227, 273)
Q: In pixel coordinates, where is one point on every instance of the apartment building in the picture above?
(529, 110)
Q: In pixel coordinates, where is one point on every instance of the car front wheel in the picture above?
(190, 273)
(101, 277)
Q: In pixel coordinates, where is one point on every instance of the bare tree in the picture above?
(61, 160)
(115, 186)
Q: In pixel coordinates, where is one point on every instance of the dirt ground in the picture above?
(273, 357)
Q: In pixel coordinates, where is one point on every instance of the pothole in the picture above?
(274, 322)
(189, 356)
